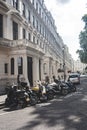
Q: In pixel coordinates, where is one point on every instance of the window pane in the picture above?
(23, 33)
(15, 31)
(29, 36)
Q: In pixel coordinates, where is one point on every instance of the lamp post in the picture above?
(63, 50)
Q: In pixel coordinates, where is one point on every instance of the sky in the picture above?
(68, 20)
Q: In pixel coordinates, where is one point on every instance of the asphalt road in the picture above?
(62, 113)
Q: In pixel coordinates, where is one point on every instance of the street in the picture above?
(62, 113)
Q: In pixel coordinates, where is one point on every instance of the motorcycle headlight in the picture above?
(27, 99)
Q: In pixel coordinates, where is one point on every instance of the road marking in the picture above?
(42, 104)
(5, 113)
(80, 88)
(69, 95)
(72, 94)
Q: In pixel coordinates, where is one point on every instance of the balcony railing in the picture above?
(5, 42)
(21, 43)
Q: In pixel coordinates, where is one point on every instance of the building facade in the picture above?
(29, 42)
(79, 66)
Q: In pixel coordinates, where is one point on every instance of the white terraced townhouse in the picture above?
(29, 43)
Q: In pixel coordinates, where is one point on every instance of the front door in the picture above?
(29, 70)
(39, 69)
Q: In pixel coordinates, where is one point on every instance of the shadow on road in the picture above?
(62, 113)
(66, 113)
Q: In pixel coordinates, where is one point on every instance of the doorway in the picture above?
(29, 70)
(39, 69)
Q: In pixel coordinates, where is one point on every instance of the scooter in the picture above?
(72, 87)
(17, 98)
(40, 92)
(43, 92)
(60, 88)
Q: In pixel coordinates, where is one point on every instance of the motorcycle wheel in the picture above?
(50, 95)
(74, 89)
(7, 102)
(22, 104)
(64, 92)
(33, 100)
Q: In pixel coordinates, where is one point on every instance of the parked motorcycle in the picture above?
(72, 87)
(32, 96)
(40, 92)
(60, 88)
(43, 92)
(11, 96)
(19, 98)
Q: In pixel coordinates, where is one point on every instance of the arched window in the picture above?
(20, 65)
(12, 65)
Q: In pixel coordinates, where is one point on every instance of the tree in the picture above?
(83, 42)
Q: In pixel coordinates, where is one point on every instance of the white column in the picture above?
(32, 36)
(55, 69)
(35, 69)
(25, 69)
(9, 28)
(50, 70)
(16, 66)
(20, 6)
(20, 35)
(42, 73)
(5, 26)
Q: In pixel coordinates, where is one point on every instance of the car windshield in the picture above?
(73, 76)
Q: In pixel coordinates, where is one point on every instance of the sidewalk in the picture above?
(2, 99)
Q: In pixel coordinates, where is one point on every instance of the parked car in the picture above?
(74, 78)
(83, 76)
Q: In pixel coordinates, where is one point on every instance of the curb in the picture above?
(2, 105)
(2, 101)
